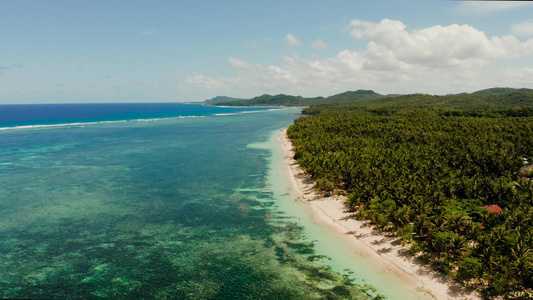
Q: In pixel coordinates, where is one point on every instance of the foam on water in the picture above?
(50, 115)
(95, 123)
(132, 120)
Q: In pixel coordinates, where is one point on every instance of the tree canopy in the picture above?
(365, 97)
(426, 168)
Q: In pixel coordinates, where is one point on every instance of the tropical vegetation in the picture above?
(289, 100)
(427, 169)
(364, 96)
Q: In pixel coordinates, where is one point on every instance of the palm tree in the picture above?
(440, 223)
(457, 222)
(420, 206)
(458, 245)
(401, 217)
(520, 220)
(488, 259)
(499, 236)
(423, 226)
(522, 260)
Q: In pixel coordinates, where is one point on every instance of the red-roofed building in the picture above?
(526, 170)
(493, 209)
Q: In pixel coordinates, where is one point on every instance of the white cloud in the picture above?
(257, 76)
(453, 46)
(437, 59)
(523, 29)
(240, 64)
(292, 41)
(489, 7)
(319, 44)
(199, 81)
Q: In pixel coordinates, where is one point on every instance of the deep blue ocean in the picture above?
(150, 201)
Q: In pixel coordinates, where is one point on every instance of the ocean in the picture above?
(164, 201)
(152, 201)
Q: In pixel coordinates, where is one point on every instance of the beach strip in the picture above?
(366, 241)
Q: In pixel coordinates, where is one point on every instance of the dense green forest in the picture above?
(482, 103)
(276, 100)
(426, 168)
(288, 100)
(219, 99)
(366, 96)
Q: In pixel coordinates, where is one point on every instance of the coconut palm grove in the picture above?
(448, 175)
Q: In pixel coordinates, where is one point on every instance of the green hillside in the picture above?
(219, 99)
(273, 100)
(488, 98)
(500, 90)
(353, 96)
(289, 100)
(465, 103)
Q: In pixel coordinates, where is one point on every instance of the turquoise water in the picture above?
(169, 208)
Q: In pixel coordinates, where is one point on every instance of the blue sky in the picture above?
(178, 51)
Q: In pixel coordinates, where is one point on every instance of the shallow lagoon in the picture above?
(166, 208)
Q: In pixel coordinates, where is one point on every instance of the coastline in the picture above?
(361, 238)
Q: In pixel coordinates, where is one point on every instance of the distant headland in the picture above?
(348, 96)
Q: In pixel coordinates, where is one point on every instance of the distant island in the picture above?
(288, 100)
(348, 96)
(220, 99)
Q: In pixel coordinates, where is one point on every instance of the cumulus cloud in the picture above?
(319, 44)
(437, 59)
(461, 46)
(523, 29)
(200, 81)
(257, 76)
(292, 41)
(489, 7)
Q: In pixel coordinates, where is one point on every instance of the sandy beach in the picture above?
(362, 238)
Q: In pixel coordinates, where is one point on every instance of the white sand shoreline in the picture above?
(367, 242)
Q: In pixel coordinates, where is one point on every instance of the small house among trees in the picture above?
(493, 209)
